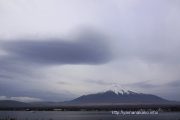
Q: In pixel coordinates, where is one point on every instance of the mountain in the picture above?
(118, 97)
(109, 97)
(12, 104)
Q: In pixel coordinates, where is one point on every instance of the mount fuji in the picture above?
(118, 97)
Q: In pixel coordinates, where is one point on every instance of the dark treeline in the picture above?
(167, 108)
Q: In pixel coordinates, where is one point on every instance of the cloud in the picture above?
(63, 83)
(88, 48)
(147, 84)
(3, 98)
(5, 76)
(140, 84)
(21, 99)
(33, 84)
(25, 58)
(143, 84)
(145, 43)
(175, 83)
(100, 82)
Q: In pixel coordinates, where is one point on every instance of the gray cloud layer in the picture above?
(145, 43)
(25, 57)
(87, 49)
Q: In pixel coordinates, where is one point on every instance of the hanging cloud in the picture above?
(88, 48)
(21, 99)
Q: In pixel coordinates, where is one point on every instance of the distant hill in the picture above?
(118, 97)
(12, 104)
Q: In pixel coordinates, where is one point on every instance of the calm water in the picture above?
(80, 115)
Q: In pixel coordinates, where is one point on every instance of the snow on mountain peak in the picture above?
(116, 91)
(123, 92)
(119, 91)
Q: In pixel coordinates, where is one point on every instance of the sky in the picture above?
(57, 50)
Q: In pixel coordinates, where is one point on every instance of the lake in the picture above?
(83, 115)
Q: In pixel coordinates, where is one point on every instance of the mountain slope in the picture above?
(12, 104)
(111, 97)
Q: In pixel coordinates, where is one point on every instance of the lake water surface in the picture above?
(83, 115)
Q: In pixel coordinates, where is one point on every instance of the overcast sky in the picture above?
(57, 50)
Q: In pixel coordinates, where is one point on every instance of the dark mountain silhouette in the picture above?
(12, 104)
(112, 97)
